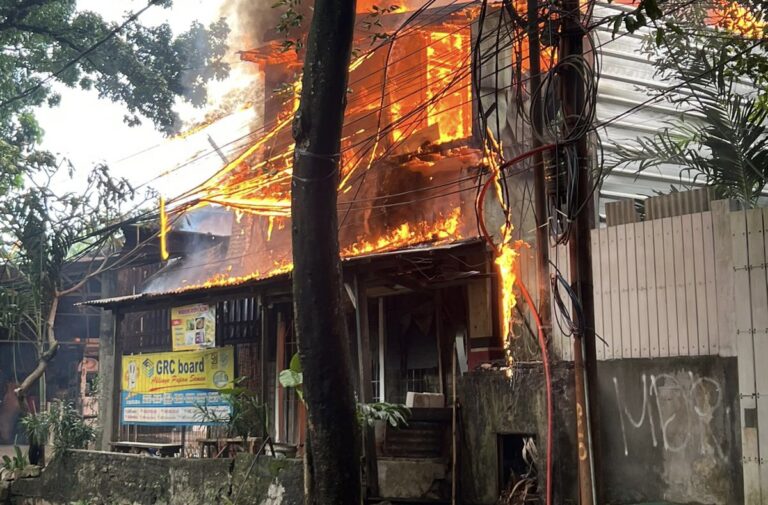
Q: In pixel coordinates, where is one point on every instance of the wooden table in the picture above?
(162, 450)
(226, 447)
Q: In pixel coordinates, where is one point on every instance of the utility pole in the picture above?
(333, 432)
(539, 179)
(580, 256)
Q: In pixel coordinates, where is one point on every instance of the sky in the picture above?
(89, 130)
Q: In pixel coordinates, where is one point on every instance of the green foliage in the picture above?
(42, 231)
(293, 377)
(682, 29)
(394, 414)
(367, 413)
(248, 416)
(372, 22)
(289, 24)
(728, 150)
(37, 427)
(63, 423)
(146, 68)
(16, 463)
(721, 136)
(69, 429)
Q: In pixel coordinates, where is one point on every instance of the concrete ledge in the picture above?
(101, 478)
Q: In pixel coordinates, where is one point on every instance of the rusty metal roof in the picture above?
(193, 291)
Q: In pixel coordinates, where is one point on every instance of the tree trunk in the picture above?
(46, 355)
(333, 431)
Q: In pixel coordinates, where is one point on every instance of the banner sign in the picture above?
(193, 327)
(167, 388)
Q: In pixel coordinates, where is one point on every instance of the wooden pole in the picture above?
(366, 386)
(382, 352)
(454, 459)
(539, 179)
(333, 430)
(580, 257)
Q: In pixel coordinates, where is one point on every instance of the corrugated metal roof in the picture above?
(152, 295)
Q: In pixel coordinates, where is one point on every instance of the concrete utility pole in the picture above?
(333, 433)
(580, 256)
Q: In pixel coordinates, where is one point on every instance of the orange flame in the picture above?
(450, 109)
(444, 229)
(409, 234)
(163, 231)
(505, 261)
(430, 67)
(739, 20)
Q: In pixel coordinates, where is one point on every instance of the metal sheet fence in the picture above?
(749, 239)
(662, 287)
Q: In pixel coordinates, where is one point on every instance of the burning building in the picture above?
(421, 279)
(434, 213)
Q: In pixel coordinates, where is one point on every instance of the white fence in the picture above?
(665, 287)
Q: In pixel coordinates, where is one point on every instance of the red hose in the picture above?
(481, 196)
(547, 381)
(542, 340)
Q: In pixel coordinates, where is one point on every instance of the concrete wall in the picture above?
(670, 430)
(101, 478)
(492, 404)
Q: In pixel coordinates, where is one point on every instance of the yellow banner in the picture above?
(167, 372)
(193, 327)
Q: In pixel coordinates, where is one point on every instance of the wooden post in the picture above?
(263, 358)
(117, 376)
(279, 391)
(438, 337)
(382, 352)
(366, 385)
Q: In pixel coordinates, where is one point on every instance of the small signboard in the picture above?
(193, 327)
(169, 388)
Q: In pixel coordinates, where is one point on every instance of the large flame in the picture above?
(408, 109)
(408, 234)
(448, 87)
(505, 261)
(441, 230)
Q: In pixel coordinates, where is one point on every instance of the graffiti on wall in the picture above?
(676, 412)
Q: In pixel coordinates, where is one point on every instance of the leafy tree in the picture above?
(147, 69)
(721, 77)
(42, 231)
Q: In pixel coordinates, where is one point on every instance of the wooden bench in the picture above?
(162, 450)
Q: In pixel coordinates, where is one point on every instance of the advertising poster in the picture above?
(193, 327)
(168, 388)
